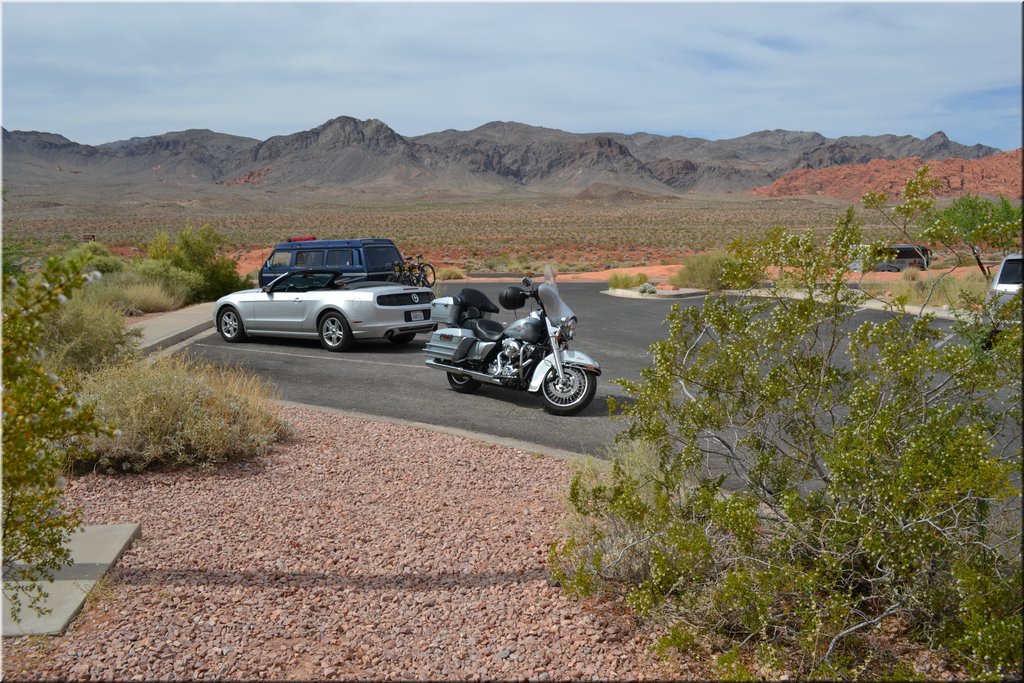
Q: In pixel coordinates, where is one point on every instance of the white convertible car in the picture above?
(322, 304)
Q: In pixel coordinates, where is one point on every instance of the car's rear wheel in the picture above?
(402, 339)
(335, 332)
(229, 324)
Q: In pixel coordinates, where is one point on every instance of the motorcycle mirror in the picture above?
(527, 282)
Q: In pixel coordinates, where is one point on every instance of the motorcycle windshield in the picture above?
(554, 307)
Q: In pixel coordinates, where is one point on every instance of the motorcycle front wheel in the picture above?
(462, 383)
(568, 396)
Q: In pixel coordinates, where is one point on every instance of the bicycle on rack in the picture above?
(417, 273)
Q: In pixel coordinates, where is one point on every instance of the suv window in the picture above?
(309, 258)
(280, 259)
(340, 257)
(381, 257)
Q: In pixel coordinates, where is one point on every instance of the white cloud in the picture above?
(99, 72)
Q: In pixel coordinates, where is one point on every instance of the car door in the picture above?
(283, 308)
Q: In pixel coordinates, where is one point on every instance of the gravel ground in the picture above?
(358, 550)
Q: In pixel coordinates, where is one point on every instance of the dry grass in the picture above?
(931, 289)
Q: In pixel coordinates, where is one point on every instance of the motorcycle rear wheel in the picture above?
(463, 383)
(570, 396)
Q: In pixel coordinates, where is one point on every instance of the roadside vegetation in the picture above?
(626, 280)
(796, 496)
(701, 271)
(78, 394)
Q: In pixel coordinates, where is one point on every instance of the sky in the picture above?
(101, 72)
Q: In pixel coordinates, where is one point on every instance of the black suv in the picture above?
(361, 259)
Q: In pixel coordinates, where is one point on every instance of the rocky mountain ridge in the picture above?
(367, 156)
(996, 174)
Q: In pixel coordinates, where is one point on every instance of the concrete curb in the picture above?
(660, 294)
(94, 550)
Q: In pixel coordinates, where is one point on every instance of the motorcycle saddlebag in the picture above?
(444, 310)
(450, 343)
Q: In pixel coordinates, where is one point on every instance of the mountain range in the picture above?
(367, 156)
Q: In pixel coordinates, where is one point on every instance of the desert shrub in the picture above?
(39, 412)
(932, 289)
(196, 251)
(626, 280)
(701, 271)
(177, 282)
(132, 293)
(13, 259)
(85, 334)
(96, 256)
(814, 479)
(451, 273)
(177, 412)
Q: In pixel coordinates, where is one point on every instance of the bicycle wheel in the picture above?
(427, 272)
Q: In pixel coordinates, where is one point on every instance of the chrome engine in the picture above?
(509, 359)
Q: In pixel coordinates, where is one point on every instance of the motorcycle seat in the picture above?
(485, 329)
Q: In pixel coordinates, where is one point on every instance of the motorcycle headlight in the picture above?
(567, 327)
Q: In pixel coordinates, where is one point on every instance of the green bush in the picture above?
(178, 283)
(39, 415)
(177, 412)
(815, 479)
(194, 252)
(701, 271)
(626, 281)
(96, 257)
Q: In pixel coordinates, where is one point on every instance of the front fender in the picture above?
(571, 357)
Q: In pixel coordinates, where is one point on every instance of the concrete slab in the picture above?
(94, 550)
(168, 329)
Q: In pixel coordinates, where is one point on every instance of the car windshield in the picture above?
(306, 282)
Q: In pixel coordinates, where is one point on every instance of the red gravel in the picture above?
(359, 550)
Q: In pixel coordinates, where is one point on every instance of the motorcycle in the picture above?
(531, 354)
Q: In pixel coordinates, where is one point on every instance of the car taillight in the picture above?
(304, 238)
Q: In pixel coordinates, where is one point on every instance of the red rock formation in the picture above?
(992, 175)
(251, 178)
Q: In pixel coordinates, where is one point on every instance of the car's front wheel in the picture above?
(229, 324)
(335, 333)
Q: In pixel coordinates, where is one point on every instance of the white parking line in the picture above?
(328, 356)
(940, 344)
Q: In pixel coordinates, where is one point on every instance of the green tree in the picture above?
(40, 415)
(975, 223)
(815, 476)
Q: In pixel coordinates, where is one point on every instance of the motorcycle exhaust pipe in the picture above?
(479, 376)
